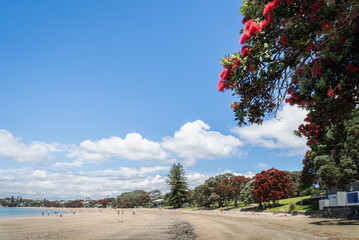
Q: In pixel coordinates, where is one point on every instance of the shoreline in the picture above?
(103, 223)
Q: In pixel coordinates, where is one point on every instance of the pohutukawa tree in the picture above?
(231, 188)
(305, 53)
(270, 186)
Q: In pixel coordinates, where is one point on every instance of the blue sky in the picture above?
(101, 97)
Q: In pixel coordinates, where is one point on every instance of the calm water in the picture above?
(26, 212)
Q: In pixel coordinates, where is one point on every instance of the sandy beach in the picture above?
(175, 224)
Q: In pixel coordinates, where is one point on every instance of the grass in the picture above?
(283, 205)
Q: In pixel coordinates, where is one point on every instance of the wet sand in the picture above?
(175, 224)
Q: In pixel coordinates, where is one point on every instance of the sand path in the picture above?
(173, 224)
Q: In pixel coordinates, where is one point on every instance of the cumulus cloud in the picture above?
(12, 147)
(275, 133)
(39, 184)
(132, 147)
(194, 141)
(125, 171)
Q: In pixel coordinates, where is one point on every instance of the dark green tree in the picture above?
(177, 182)
(305, 53)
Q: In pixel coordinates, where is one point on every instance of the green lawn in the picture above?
(284, 205)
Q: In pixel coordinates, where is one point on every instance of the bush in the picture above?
(292, 207)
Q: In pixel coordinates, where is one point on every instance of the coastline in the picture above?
(101, 223)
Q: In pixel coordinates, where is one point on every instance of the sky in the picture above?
(101, 97)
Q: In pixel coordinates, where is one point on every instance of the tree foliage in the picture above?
(177, 182)
(271, 185)
(246, 194)
(231, 188)
(305, 53)
(133, 199)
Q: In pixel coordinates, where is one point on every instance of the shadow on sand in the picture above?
(336, 222)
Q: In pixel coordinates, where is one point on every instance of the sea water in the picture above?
(6, 212)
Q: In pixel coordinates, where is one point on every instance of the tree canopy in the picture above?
(270, 186)
(305, 53)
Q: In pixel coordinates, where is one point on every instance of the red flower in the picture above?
(289, 91)
(244, 51)
(326, 25)
(264, 23)
(244, 38)
(236, 63)
(310, 47)
(295, 95)
(244, 20)
(317, 70)
(268, 9)
(331, 92)
(316, 6)
(254, 29)
(302, 103)
(284, 39)
(234, 105)
(270, 18)
(351, 67)
(220, 86)
(225, 74)
(248, 24)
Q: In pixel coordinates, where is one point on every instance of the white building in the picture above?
(340, 199)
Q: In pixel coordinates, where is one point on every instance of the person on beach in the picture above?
(123, 211)
(134, 211)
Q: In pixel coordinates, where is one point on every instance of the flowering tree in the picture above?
(305, 53)
(231, 188)
(270, 186)
(106, 201)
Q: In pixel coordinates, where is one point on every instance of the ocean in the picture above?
(6, 212)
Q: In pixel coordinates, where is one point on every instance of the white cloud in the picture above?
(12, 147)
(195, 179)
(194, 141)
(132, 147)
(98, 184)
(277, 134)
(125, 171)
(39, 174)
(76, 163)
(247, 174)
(262, 165)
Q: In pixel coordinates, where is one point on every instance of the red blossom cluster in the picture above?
(251, 29)
(310, 130)
(271, 185)
(104, 202)
(224, 76)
